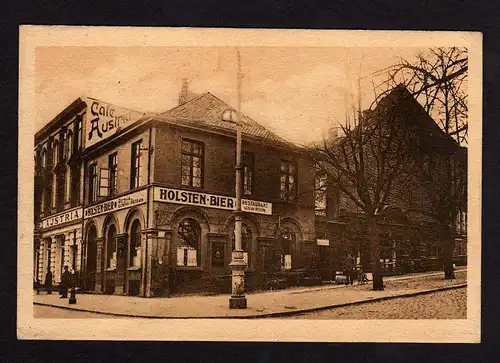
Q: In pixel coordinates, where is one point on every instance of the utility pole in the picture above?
(237, 265)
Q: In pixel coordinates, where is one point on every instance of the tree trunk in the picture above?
(373, 235)
(449, 271)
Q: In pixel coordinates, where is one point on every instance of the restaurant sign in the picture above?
(104, 119)
(64, 217)
(116, 204)
(210, 200)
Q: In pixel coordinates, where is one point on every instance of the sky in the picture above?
(296, 92)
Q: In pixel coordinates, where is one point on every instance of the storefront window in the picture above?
(188, 248)
(246, 242)
(135, 244)
(287, 240)
(111, 248)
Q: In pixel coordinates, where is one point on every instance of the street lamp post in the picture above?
(238, 264)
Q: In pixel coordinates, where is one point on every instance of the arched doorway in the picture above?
(91, 265)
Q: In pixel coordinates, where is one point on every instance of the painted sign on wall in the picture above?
(64, 217)
(116, 204)
(178, 196)
(104, 119)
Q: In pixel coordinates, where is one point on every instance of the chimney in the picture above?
(183, 95)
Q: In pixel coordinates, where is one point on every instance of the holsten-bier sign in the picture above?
(210, 200)
(103, 119)
(64, 217)
(116, 204)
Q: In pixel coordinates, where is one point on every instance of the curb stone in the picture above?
(267, 315)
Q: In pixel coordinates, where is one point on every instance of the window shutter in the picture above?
(103, 182)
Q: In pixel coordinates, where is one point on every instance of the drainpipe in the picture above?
(146, 258)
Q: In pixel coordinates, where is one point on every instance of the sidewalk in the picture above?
(261, 304)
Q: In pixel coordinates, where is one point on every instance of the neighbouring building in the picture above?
(411, 234)
(142, 204)
(58, 199)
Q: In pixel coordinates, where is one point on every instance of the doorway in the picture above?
(91, 266)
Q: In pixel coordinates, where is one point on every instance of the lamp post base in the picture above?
(237, 302)
(72, 297)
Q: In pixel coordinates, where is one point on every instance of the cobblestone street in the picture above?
(450, 304)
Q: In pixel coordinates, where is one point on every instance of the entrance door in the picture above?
(91, 266)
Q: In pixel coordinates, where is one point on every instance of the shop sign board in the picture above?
(323, 242)
(186, 197)
(64, 217)
(104, 120)
(116, 204)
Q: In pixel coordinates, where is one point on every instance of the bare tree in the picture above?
(365, 164)
(438, 79)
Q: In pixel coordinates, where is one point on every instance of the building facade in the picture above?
(153, 213)
(412, 234)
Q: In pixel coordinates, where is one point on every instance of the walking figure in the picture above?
(349, 273)
(48, 282)
(65, 281)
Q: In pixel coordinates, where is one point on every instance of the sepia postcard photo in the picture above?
(249, 185)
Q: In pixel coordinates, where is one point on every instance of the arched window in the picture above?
(111, 247)
(287, 239)
(135, 244)
(188, 248)
(246, 242)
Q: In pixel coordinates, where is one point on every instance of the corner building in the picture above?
(158, 199)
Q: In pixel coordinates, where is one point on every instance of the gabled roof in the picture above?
(208, 109)
(415, 115)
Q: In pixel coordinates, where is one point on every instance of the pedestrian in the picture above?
(65, 282)
(349, 269)
(48, 282)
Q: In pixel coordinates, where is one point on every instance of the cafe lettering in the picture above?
(103, 119)
(210, 200)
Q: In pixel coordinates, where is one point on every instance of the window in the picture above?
(92, 183)
(78, 133)
(111, 247)
(192, 164)
(218, 249)
(189, 243)
(247, 160)
(54, 191)
(75, 185)
(69, 144)
(287, 239)
(135, 244)
(288, 181)
(44, 158)
(320, 195)
(113, 171)
(56, 152)
(135, 169)
(67, 191)
(246, 242)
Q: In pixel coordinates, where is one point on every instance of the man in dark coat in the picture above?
(349, 269)
(48, 282)
(65, 281)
